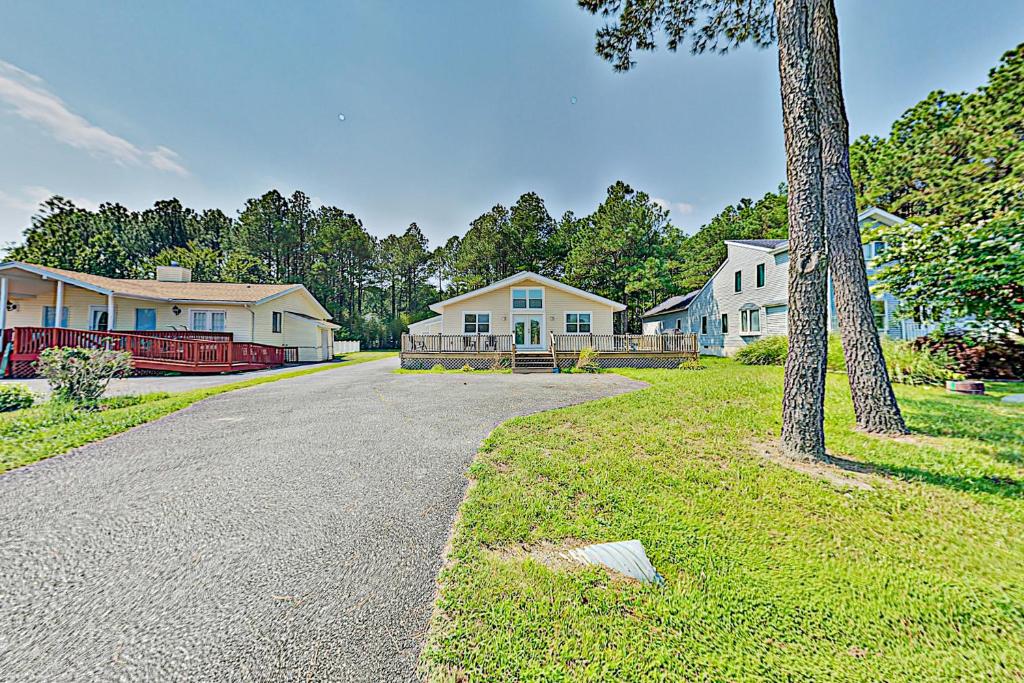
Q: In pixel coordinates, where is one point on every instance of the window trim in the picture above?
(761, 276)
(490, 322)
(276, 322)
(98, 308)
(191, 327)
(746, 318)
(737, 282)
(512, 298)
(679, 324)
(703, 324)
(725, 323)
(565, 321)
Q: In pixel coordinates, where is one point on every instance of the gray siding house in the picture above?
(746, 298)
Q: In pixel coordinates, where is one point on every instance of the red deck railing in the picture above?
(165, 350)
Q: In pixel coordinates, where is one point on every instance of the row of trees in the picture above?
(626, 250)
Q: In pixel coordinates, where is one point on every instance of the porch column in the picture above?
(110, 312)
(57, 315)
(3, 304)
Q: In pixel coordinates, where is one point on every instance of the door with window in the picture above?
(98, 319)
(528, 331)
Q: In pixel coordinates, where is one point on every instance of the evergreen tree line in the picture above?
(952, 164)
(626, 250)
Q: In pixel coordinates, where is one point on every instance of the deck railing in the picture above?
(559, 343)
(28, 342)
(626, 343)
(457, 343)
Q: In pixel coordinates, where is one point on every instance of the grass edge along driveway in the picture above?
(43, 431)
(771, 574)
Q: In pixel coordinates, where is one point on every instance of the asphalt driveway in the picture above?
(290, 531)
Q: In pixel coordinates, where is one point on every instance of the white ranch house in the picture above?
(746, 299)
(532, 323)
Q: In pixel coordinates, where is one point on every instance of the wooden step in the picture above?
(531, 370)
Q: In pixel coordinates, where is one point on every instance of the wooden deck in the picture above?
(165, 351)
(480, 351)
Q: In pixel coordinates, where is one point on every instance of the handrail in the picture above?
(626, 343)
(30, 341)
(457, 343)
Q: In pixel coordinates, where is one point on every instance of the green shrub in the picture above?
(766, 351)
(80, 376)
(587, 362)
(15, 397)
(437, 367)
(910, 365)
(466, 368)
(691, 364)
(906, 361)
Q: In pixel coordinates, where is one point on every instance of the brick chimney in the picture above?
(173, 273)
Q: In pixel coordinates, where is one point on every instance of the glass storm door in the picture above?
(528, 331)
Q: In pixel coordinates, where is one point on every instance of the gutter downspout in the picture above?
(252, 325)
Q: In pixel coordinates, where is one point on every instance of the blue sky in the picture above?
(449, 107)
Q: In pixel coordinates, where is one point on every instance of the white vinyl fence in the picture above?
(341, 347)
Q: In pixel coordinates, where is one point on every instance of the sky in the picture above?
(403, 111)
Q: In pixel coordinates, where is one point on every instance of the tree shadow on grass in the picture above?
(992, 485)
(944, 418)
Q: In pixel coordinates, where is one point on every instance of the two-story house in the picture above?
(747, 297)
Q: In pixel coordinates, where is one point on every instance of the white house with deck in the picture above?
(202, 326)
(534, 323)
(747, 297)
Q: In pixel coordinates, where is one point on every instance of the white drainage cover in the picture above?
(625, 557)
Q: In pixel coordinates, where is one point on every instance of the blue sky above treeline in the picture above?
(448, 107)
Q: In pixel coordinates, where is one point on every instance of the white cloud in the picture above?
(28, 198)
(28, 97)
(681, 208)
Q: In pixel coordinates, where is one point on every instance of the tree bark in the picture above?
(874, 403)
(803, 398)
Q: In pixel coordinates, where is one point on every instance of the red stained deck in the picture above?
(171, 351)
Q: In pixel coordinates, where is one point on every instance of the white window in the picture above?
(679, 323)
(207, 321)
(577, 323)
(528, 298)
(750, 320)
(476, 323)
(50, 316)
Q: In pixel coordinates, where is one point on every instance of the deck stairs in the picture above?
(533, 363)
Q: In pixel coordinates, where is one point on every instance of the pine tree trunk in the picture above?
(803, 398)
(873, 400)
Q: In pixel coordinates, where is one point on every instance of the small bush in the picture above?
(978, 357)
(587, 362)
(437, 367)
(466, 368)
(691, 364)
(80, 376)
(767, 351)
(910, 365)
(15, 397)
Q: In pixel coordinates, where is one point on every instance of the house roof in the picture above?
(760, 244)
(318, 321)
(520, 277)
(675, 303)
(183, 292)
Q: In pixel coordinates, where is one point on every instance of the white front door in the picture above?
(98, 318)
(528, 331)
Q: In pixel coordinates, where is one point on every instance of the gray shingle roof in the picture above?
(764, 244)
(674, 303)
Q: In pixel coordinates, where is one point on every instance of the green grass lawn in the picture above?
(771, 574)
(47, 430)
